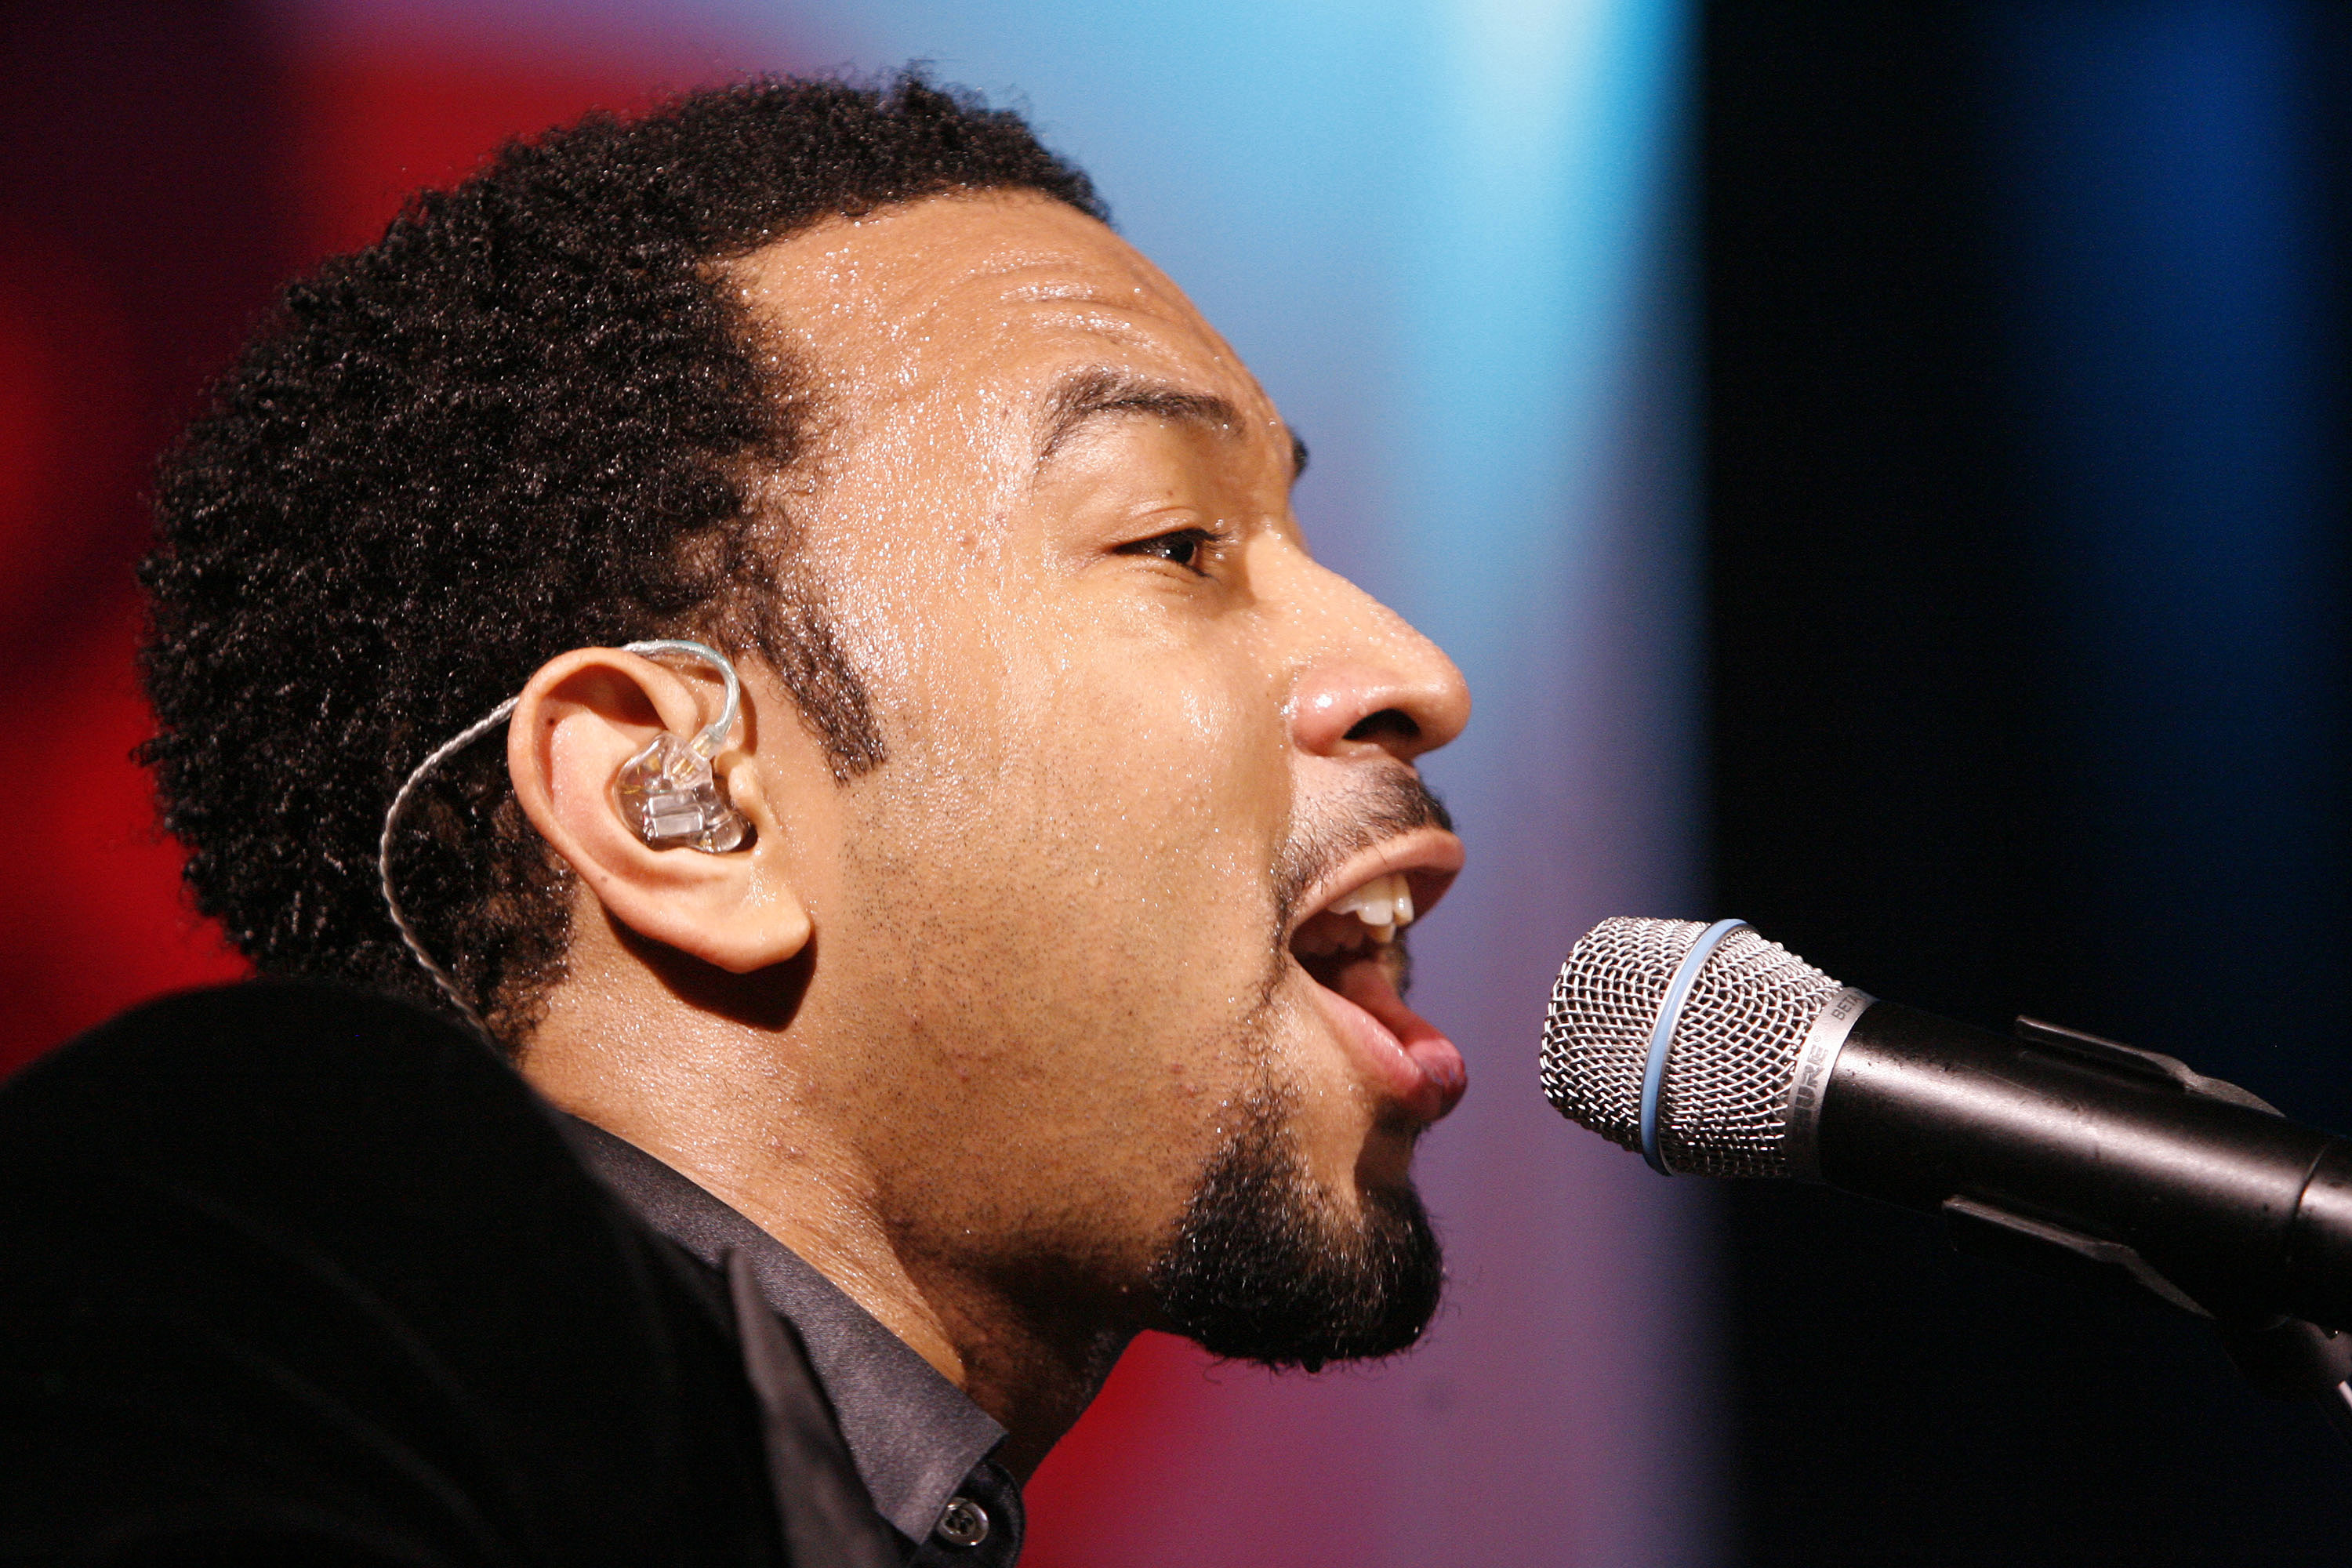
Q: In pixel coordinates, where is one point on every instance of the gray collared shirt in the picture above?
(920, 1445)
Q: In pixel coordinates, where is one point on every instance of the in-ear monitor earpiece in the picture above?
(666, 794)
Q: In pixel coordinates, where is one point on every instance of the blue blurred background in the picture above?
(1882, 469)
(2026, 476)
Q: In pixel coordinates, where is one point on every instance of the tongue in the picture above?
(1368, 986)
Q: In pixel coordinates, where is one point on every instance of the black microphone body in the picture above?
(2121, 1157)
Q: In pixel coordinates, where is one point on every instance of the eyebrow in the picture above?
(1091, 393)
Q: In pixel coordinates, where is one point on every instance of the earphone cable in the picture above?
(705, 744)
(441, 753)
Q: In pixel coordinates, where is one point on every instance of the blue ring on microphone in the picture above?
(1661, 1033)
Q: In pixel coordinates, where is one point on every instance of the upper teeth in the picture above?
(1384, 903)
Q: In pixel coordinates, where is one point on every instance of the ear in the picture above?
(583, 716)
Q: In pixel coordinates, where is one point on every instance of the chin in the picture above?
(1270, 1265)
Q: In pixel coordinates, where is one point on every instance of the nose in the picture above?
(1371, 683)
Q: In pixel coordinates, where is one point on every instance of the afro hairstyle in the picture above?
(530, 418)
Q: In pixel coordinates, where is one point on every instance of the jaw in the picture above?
(1342, 1087)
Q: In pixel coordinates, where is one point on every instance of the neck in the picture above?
(724, 1105)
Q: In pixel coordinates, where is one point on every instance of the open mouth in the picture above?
(1349, 947)
(1358, 927)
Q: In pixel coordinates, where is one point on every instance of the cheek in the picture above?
(1111, 826)
(1087, 809)
(1078, 790)
(1166, 781)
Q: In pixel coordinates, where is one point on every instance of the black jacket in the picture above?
(290, 1273)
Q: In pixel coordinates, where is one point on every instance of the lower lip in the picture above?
(1419, 1067)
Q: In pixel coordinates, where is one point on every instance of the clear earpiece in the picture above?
(667, 792)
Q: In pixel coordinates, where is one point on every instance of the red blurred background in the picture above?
(167, 167)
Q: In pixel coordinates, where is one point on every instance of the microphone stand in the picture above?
(2337, 1406)
(2287, 1358)
(2296, 1359)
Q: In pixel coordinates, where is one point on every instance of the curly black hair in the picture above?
(530, 418)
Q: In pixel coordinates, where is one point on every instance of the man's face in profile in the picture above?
(1139, 743)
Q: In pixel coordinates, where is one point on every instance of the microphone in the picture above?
(1712, 1051)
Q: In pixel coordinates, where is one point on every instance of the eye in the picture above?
(1183, 547)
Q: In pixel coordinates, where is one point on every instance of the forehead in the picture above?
(971, 295)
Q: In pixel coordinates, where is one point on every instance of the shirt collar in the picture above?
(914, 1436)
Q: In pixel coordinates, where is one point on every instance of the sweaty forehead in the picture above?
(978, 291)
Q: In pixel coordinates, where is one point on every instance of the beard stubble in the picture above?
(1265, 1265)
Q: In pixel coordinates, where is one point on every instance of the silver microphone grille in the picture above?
(1724, 1106)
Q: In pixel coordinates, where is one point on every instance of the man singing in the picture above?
(1049, 988)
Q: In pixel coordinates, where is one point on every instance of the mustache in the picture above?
(1391, 804)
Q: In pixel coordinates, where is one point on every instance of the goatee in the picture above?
(1266, 1266)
